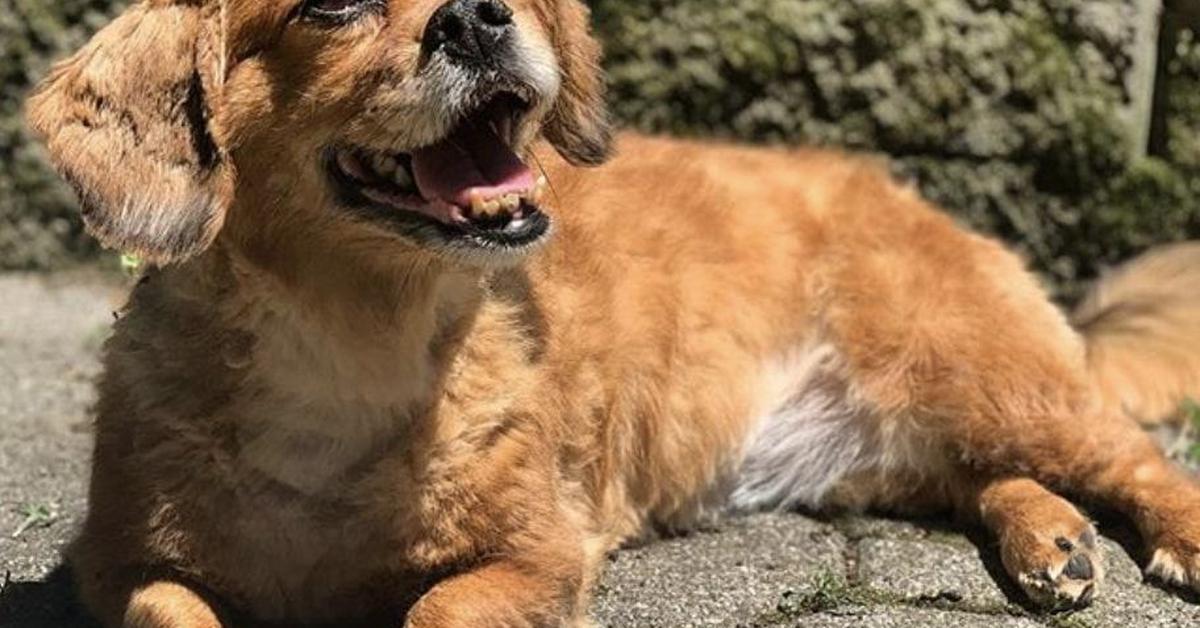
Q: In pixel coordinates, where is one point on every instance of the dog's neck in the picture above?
(378, 337)
(324, 368)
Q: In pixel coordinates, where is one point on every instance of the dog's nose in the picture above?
(468, 30)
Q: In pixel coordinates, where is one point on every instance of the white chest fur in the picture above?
(319, 399)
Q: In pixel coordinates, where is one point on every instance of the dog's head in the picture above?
(402, 123)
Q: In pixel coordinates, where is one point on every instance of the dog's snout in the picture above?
(468, 30)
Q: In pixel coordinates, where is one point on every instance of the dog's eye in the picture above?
(339, 11)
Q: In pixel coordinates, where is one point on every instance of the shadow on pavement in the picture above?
(46, 603)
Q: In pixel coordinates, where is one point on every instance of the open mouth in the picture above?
(469, 186)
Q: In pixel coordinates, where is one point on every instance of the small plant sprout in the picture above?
(35, 516)
(130, 264)
(1190, 409)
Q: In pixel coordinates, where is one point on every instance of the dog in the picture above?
(422, 338)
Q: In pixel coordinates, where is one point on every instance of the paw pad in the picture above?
(1079, 567)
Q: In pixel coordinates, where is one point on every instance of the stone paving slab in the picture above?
(1126, 601)
(719, 578)
(761, 571)
(929, 571)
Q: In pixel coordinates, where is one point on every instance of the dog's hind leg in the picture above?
(1008, 397)
(945, 335)
(1111, 462)
(1164, 502)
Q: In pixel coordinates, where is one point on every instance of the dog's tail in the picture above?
(1141, 323)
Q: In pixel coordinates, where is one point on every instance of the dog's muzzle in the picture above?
(469, 185)
(473, 33)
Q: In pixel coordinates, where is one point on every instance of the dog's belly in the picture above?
(814, 446)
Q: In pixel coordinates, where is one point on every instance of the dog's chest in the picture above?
(305, 517)
(310, 447)
(286, 557)
(312, 412)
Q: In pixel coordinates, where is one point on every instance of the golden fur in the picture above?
(306, 418)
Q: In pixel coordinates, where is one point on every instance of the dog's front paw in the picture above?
(504, 594)
(461, 605)
(169, 605)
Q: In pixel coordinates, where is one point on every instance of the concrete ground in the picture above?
(763, 570)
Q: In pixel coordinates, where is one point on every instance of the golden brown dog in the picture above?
(365, 384)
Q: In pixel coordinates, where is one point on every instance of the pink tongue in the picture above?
(472, 160)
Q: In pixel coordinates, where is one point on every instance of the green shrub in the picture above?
(1183, 105)
(39, 225)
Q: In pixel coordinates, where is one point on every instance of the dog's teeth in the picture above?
(539, 190)
(506, 130)
(350, 165)
(401, 178)
(510, 202)
(484, 207)
(386, 164)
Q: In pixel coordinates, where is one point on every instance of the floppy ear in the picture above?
(129, 122)
(578, 126)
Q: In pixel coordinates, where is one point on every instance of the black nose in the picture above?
(468, 30)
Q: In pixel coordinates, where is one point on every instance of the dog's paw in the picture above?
(1176, 562)
(1057, 572)
(169, 605)
(1172, 534)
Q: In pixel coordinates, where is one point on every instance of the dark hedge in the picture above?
(1183, 105)
(39, 225)
(1008, 112)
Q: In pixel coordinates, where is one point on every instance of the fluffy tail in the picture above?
(1142, 327)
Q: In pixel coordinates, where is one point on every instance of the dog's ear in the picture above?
(131, 122)
(578, 126)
